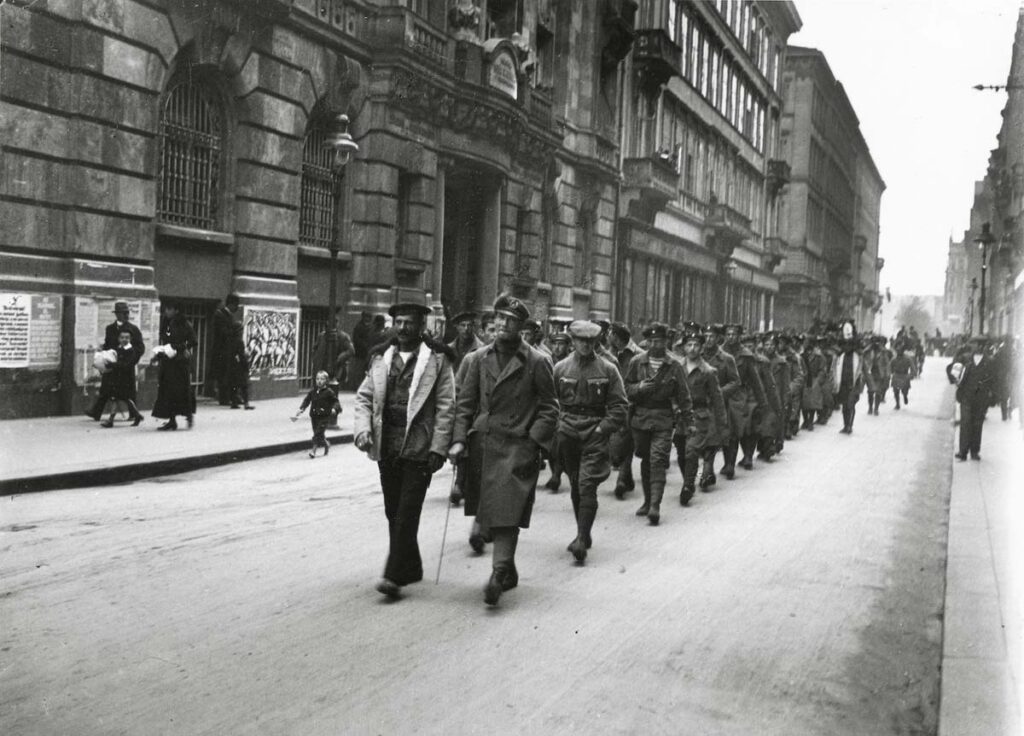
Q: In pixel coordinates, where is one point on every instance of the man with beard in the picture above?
(620, 341)
(729, 382)
(404, 411)
(748, 397)
(506, 412)
(592, 408)
(709, 415)
(660, 396)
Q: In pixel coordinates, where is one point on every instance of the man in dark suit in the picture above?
(975, 394)
(110, 342)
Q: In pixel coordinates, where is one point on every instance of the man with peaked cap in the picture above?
(121, 322)
(729, 382)
(534, 336)
(709, 417)
(660, 396)
(561, 347)
(404, 412)
(775, 376)
(465, 340)
(748, 397)
(621, 345)
(593, 407)
(506, 412)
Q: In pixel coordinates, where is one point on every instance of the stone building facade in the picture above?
(830, 210)
(698, 231)
(178, 148)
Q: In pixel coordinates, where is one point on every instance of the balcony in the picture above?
(778, 176)
(727, 223)
(540, 106)
(397, 28)
(657, 57)
(649, 184)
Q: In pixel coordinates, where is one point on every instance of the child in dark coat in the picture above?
(322, 403)
(122, 380)
(902, 369)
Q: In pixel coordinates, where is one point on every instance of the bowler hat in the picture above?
(120, 306)
(585, 330)
(408, 308)
(512, 307)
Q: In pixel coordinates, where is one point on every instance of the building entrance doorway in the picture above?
(471, 231)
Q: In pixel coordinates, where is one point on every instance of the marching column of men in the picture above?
(499, 407)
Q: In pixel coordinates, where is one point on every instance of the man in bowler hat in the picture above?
(110, 342)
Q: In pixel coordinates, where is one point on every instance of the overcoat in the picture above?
(859, 372)
(125, 388)
(505, 417)
(174, 394)
(814, 370)
(767, 415)
(728, 381)
(430, 415)
(709, 417)
(747, 397)
(902, 367)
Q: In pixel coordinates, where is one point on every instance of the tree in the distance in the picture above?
(913, 313)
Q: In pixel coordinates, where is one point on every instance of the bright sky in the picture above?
(908, 67)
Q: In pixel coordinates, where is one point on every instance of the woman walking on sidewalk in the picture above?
(174, 395)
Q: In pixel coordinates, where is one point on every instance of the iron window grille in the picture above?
(317, 209)
(191, 130)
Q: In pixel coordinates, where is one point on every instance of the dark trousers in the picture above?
(319, 425)
(896, 394)
(972, 417)
(688, 456)
(586, 462)
(405, 484)
(848, 402)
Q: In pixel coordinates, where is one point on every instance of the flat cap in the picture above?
(511, 306)
(408, 308)
(585, 330)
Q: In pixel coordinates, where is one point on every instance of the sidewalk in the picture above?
(65, 452)
(982, 639)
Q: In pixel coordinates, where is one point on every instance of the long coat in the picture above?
(709, 417)
(174, 394)
(747, 397)
(814, 376)
(728, 381)
(125, 375)
(505, 416)
(430, 413)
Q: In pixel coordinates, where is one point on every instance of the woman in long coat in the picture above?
(174, 394)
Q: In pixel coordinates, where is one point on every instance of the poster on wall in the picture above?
(93, 314)
(29, 330)
(272, 342)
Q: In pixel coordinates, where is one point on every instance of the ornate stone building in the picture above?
(698, 233)
(830, 211)
(180, 148)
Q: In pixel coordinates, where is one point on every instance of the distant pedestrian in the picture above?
(323, 408)
(222, 353)
(174, 395)
(849, 377)
(237, 374)
(332, 351)
(901, 369)
(403, 420)
(111, 342)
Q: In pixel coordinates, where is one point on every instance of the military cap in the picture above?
(656, 330)
(468, 316)
(560, 337)
(620, 331)
(585, 329)
(691, 326)
(531, 324)
(408, 308)
(603, 324)
(734, 326)
(692, 334)
(120, 306)
(512, 307)
(783, 338)
(715, 329)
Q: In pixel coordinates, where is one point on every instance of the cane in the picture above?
(444, 535)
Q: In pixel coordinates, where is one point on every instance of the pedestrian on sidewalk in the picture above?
(222, 357)
(323, 408)
(237, 374)
(111, 342)
(174, 394)
(404, 411)
(121, 382)
(593, 407)
(902, 371)
(976, 392)
(506, 413)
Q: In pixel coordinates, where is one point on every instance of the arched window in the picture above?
(317, 208)
(191, 142)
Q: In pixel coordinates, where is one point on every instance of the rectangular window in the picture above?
(694, 56)
(705, 55)
(715, 60)
(673, 19)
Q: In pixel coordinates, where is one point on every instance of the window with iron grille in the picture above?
(317, 211)
(191, 132)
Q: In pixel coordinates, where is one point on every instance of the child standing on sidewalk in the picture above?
(121, 382)
(322, 403)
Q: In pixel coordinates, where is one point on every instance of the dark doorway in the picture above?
(470, 205)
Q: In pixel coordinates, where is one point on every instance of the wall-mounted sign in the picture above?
(29, 330)
(501, 74)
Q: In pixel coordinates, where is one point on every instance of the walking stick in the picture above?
(444, 535)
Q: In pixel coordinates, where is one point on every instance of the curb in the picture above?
(119, 475)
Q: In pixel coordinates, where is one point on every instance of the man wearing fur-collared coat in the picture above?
(404, 413)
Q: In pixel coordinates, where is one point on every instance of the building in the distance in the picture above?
(698, 233)
(182, 149)
(957, 302)
(830, 209)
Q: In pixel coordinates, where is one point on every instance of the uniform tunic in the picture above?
(728, 381)
(657, 397)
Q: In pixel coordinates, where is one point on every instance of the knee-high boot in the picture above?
(654, 512)
(645, 482)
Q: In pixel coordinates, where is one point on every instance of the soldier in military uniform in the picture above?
(465, 341)
(748, 397)
(709, 417)
(620, 341)
(660, 396)
(592, 408)
(729, 382)
(795, 388)
(561, 347)
(772, 443)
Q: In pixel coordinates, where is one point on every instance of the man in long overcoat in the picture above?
(709, 417)
(729, 383)
(742, 403)
(404, 412)
(976, 392)
(506, 412)
(222, 355)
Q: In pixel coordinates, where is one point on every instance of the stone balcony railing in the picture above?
(649, 184)
(656, 56)
(728, 222)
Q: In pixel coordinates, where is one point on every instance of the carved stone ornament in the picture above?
(464, 20)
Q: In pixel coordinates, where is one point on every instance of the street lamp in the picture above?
(340, 142)
(984, 240)
(970, 307)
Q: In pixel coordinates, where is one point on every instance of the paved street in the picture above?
(805, 597)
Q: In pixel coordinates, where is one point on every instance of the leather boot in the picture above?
(654, 513)
(495, 586)
(686, 495)
(645, 483)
